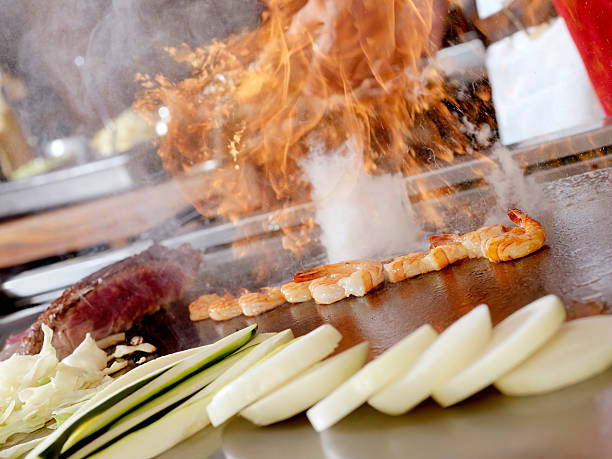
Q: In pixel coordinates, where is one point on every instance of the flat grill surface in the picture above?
(575, 263)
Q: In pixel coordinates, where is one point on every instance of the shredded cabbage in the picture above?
(35, 388)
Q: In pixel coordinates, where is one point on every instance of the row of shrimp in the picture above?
(327, 284)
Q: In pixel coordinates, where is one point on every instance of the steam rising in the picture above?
(360, 215)
(512, 188)
(370, 216)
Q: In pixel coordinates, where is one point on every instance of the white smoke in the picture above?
(511, 187)
(360, 215)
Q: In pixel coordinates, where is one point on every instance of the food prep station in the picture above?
(573, 422)
(574, 264)
(573, 171)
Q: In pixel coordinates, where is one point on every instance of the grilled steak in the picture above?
(112, 299)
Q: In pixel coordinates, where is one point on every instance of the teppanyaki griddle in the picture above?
(575, 263)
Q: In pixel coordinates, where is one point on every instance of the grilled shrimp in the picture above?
(364, 279)
(327, 290)
(327, 284)
(198, 309)
(471, 242)
(296, 292)
(498, 242)
(527, 237)
(267, 298)
(331, 283)
(225, 308)
(495, 242)
(413, 264)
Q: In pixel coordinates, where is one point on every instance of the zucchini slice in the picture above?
(186, 419)
(159, 436)
(142, 415)
(134, 389)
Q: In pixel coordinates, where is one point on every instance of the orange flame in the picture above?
(314, 70)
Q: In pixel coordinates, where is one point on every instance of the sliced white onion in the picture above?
(513, 340)
(581, 349)
(454, 349)
(272, 372)
(308, 388)
(371, 378)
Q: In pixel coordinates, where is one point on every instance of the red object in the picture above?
(589, 23)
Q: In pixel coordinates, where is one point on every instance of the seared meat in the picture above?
(112, 299)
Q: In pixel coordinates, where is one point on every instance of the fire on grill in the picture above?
(313, 76)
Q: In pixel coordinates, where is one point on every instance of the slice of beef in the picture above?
(113, 299)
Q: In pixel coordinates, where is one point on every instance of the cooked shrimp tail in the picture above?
(522, 240)
(307, 275)
(520, 218)
(344, 267)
